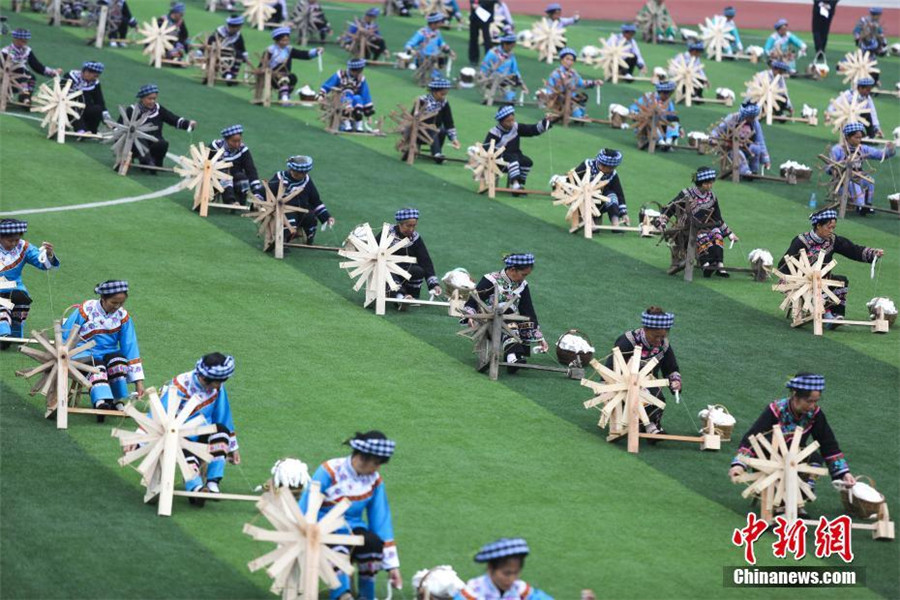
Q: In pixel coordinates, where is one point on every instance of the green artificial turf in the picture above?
(476, 459)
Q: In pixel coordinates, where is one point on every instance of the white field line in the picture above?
(31, 211)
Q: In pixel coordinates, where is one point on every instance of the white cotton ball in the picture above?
(755, 51)
(689, 34)
(793, 165)
(618, 109)
(895, 49)
(525, 37)
(809, 111)
(760, 254)
(660, 73)
(590, 52)
(718, 416)
(458, 278)
(698, 135)
(885, 304)
(290, 472)
(555, 179)
(441, 583)
(575, 343)
(724, 92)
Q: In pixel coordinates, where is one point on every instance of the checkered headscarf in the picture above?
(807, 382)
(111, 286)
(356, 63)
(853, 127)
(406, 213)
(749, 109)
(439, 84)
(553, 7)
(12, 226)
(865, 81)
(235, 20)
(663, 321)
(696, 46)
(705, 174)
(628, 28)
(822, 216)
(376, 447)
(729, 11)
(665, 86)
(504, 112)
(780, 23)
(96, 67)
(435, 18)
(280, 31)
(875, 10)
(232, 130)
(218, 372)
(519, 260)
(568, 52)
(177, 7)
(609, 157)
(781, 65)
(509, 38)
(304, 164)
(373, 12)
(502, 548)
(21, 34)
(146, 90)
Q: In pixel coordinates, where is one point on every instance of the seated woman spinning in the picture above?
(505, 559)
(799, 410)
(653, 338)
(356, 478)
(105, 322)
(821, 238)
(702, 208)
(510, 283)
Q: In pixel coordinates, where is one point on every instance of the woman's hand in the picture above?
(139, 388)
(734, 238)
(396, 579)
(849, 480)
(235, 458)
(879, 252)
(675, 385)
(49, 248)
(544, 345)
(456, 145)
(736, 471)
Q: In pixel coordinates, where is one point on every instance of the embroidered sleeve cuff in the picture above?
(232, 443)
(433, 281)
(391, 559)
(135, 372)
(451, 133)
(676, 376)
(869, 254)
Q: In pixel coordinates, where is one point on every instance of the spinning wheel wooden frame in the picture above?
(491, 323)
(650, 122)
(132, 132)
(59, 106)
(767, 92)
(271, 216)
(158, 40)
(485, 164)
(414, 129)
(547, 37)
(685, 73)
(856, 65)
(580, 195)
(842, 173)
(203, 174)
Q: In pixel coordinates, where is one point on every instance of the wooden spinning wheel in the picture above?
(731, 146)
(362, 42)
(856, 65)
(716, 36)
(59, 106)
(624, 394)
(414, 129)
(780, 470)
(426, 66)
(56, 368)
(547, 37)
(303, 18)
(203, 174)
(303, 552)
(494, 85)
(258, 12)
(373, 263)
(161, 442)
(559, 99)
(650, 122)
(612, 57)
(687, 74)
(490, 323)
(262, 81)
(485, 164)
(652, 20)
(271, 216)
(131, 133)
(218, 60)
(331, 110)
(842, 111)
(580, 195)
(11, 85)
(804, 286)
(157, 40)
(841, 174)
(767, 92)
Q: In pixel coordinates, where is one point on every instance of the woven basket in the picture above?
(861, 509)
(891, 319)
(800, 174)
(723, 431)
(567, 357)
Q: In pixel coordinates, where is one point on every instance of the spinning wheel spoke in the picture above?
(547, 37)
